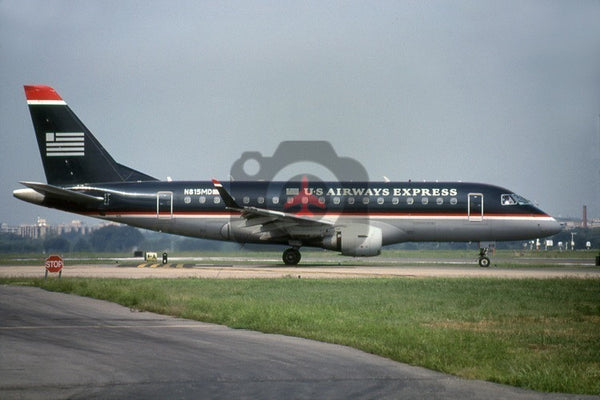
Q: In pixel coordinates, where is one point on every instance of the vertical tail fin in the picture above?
(70, 153)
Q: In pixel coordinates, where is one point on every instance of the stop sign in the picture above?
(54, 264)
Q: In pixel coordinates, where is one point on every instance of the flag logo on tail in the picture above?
(65, 144)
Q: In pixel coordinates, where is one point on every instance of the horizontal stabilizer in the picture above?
(49, 191)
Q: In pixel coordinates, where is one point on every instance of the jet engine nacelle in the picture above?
(355, 240)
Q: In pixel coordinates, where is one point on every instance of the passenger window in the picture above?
(217, 200)
(202, 200)
(275, 200)
(336, 200)
(261, 200)
(380, 200)
(395, 201)
(453, 201)
(425, 200)
(439, 201)
(410, 201)
(246, 200)
(350, 200)
(365, 200)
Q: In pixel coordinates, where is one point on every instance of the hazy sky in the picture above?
(503, 92)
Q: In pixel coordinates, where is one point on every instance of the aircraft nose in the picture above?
(551, 227)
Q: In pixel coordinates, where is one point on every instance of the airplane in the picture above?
(353, 218)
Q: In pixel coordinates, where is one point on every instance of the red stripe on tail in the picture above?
(41, 92)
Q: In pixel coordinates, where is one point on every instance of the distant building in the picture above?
(577, 223)
(41, 228)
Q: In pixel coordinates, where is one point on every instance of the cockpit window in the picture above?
(521, 200)
(508, 200)
(513, 199)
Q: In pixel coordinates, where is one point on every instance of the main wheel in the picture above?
(291, 256)
(484, 262)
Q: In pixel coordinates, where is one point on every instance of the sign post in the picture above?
(54, 264)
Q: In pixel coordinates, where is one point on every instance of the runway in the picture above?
(56, 346)
(319, 267)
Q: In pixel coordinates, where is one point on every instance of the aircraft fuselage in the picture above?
(404, 211)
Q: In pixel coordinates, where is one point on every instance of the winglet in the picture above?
(227, 199)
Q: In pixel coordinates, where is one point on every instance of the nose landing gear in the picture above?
(484, 247)
(484, 260)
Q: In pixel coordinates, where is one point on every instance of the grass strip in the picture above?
(537, 334)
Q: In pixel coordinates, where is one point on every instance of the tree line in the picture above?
(111, 238)
(126, 239)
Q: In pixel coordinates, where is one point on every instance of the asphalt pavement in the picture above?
(57, 346)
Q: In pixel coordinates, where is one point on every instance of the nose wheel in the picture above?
(484, 260)
(291, 256)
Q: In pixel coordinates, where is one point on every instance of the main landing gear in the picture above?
(291, 256)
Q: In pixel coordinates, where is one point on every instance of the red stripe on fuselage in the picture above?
(320, 215)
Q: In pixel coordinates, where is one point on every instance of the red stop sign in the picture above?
(54, 264)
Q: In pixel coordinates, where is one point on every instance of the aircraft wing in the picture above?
(272, 224)
(50, 191)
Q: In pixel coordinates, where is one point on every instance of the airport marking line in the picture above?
(158, 265)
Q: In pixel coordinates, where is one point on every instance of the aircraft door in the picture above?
(475, 207)
(164, 205)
